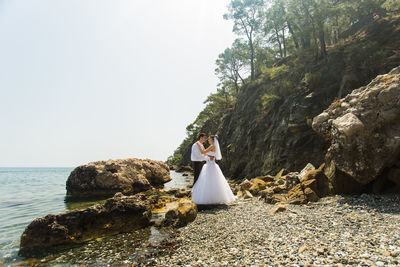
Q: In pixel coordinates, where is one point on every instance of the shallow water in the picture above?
(178, 180)
(28, 193)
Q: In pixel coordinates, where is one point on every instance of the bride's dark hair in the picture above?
(214, 135)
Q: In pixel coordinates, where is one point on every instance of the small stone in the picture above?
(395, 253)
(302, 249)
(307, 168)
(277, 208)
(247, 195)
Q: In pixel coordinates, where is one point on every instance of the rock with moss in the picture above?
(180, 213)
(318, 182)
(118, 214)
(296, 195)
(257, 186)
(245, 185)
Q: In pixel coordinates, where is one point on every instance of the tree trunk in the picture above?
(252, 75)
(314, 32)
(240, 77)
(316, 48)
(226, 100)
(322, 40)
(296, 43)
(236, 86)
(336, 31)
(279, 41)
(305, 35)
(284, 42)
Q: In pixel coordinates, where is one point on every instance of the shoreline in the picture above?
(9, 249)
(335, 230)
(341, 229)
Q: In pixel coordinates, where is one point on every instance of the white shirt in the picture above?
(196, 153)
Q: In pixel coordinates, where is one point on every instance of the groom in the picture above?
(198, 158)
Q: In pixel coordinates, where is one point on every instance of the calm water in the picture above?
(28, 193)
(178, 180)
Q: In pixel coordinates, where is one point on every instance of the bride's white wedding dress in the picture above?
(211, 186)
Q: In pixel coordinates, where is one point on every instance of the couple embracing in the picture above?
(209, 185)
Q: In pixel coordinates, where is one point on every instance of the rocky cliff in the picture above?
(258, 139)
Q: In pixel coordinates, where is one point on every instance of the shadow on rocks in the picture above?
(383, 203)
(211, 209)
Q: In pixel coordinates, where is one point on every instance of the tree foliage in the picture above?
(247, 16)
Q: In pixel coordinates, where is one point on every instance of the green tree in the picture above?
(247, 21)
(391, 5)
(276, 26)
(230, 64)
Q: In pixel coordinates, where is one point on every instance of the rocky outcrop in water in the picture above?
(184, 169)
(119, 214)
(105, 178)
(364, 134)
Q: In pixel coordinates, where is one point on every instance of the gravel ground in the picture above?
(339, 230)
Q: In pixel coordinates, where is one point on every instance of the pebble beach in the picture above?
(338, 230)
(335, 231)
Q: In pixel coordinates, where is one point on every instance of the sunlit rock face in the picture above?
(105, 178)
(363, 130)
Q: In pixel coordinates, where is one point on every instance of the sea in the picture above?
(29, 193)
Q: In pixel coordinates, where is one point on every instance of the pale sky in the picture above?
(87, 80)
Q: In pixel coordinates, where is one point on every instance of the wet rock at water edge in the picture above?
(180, 213)
(184, 169)
(52, 232)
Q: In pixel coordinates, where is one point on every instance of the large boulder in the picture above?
(363, 129)
(180, 213)
(118, 214)
(105, 178)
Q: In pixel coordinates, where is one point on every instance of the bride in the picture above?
(211, 186)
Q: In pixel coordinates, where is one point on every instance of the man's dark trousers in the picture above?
(197, 166)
